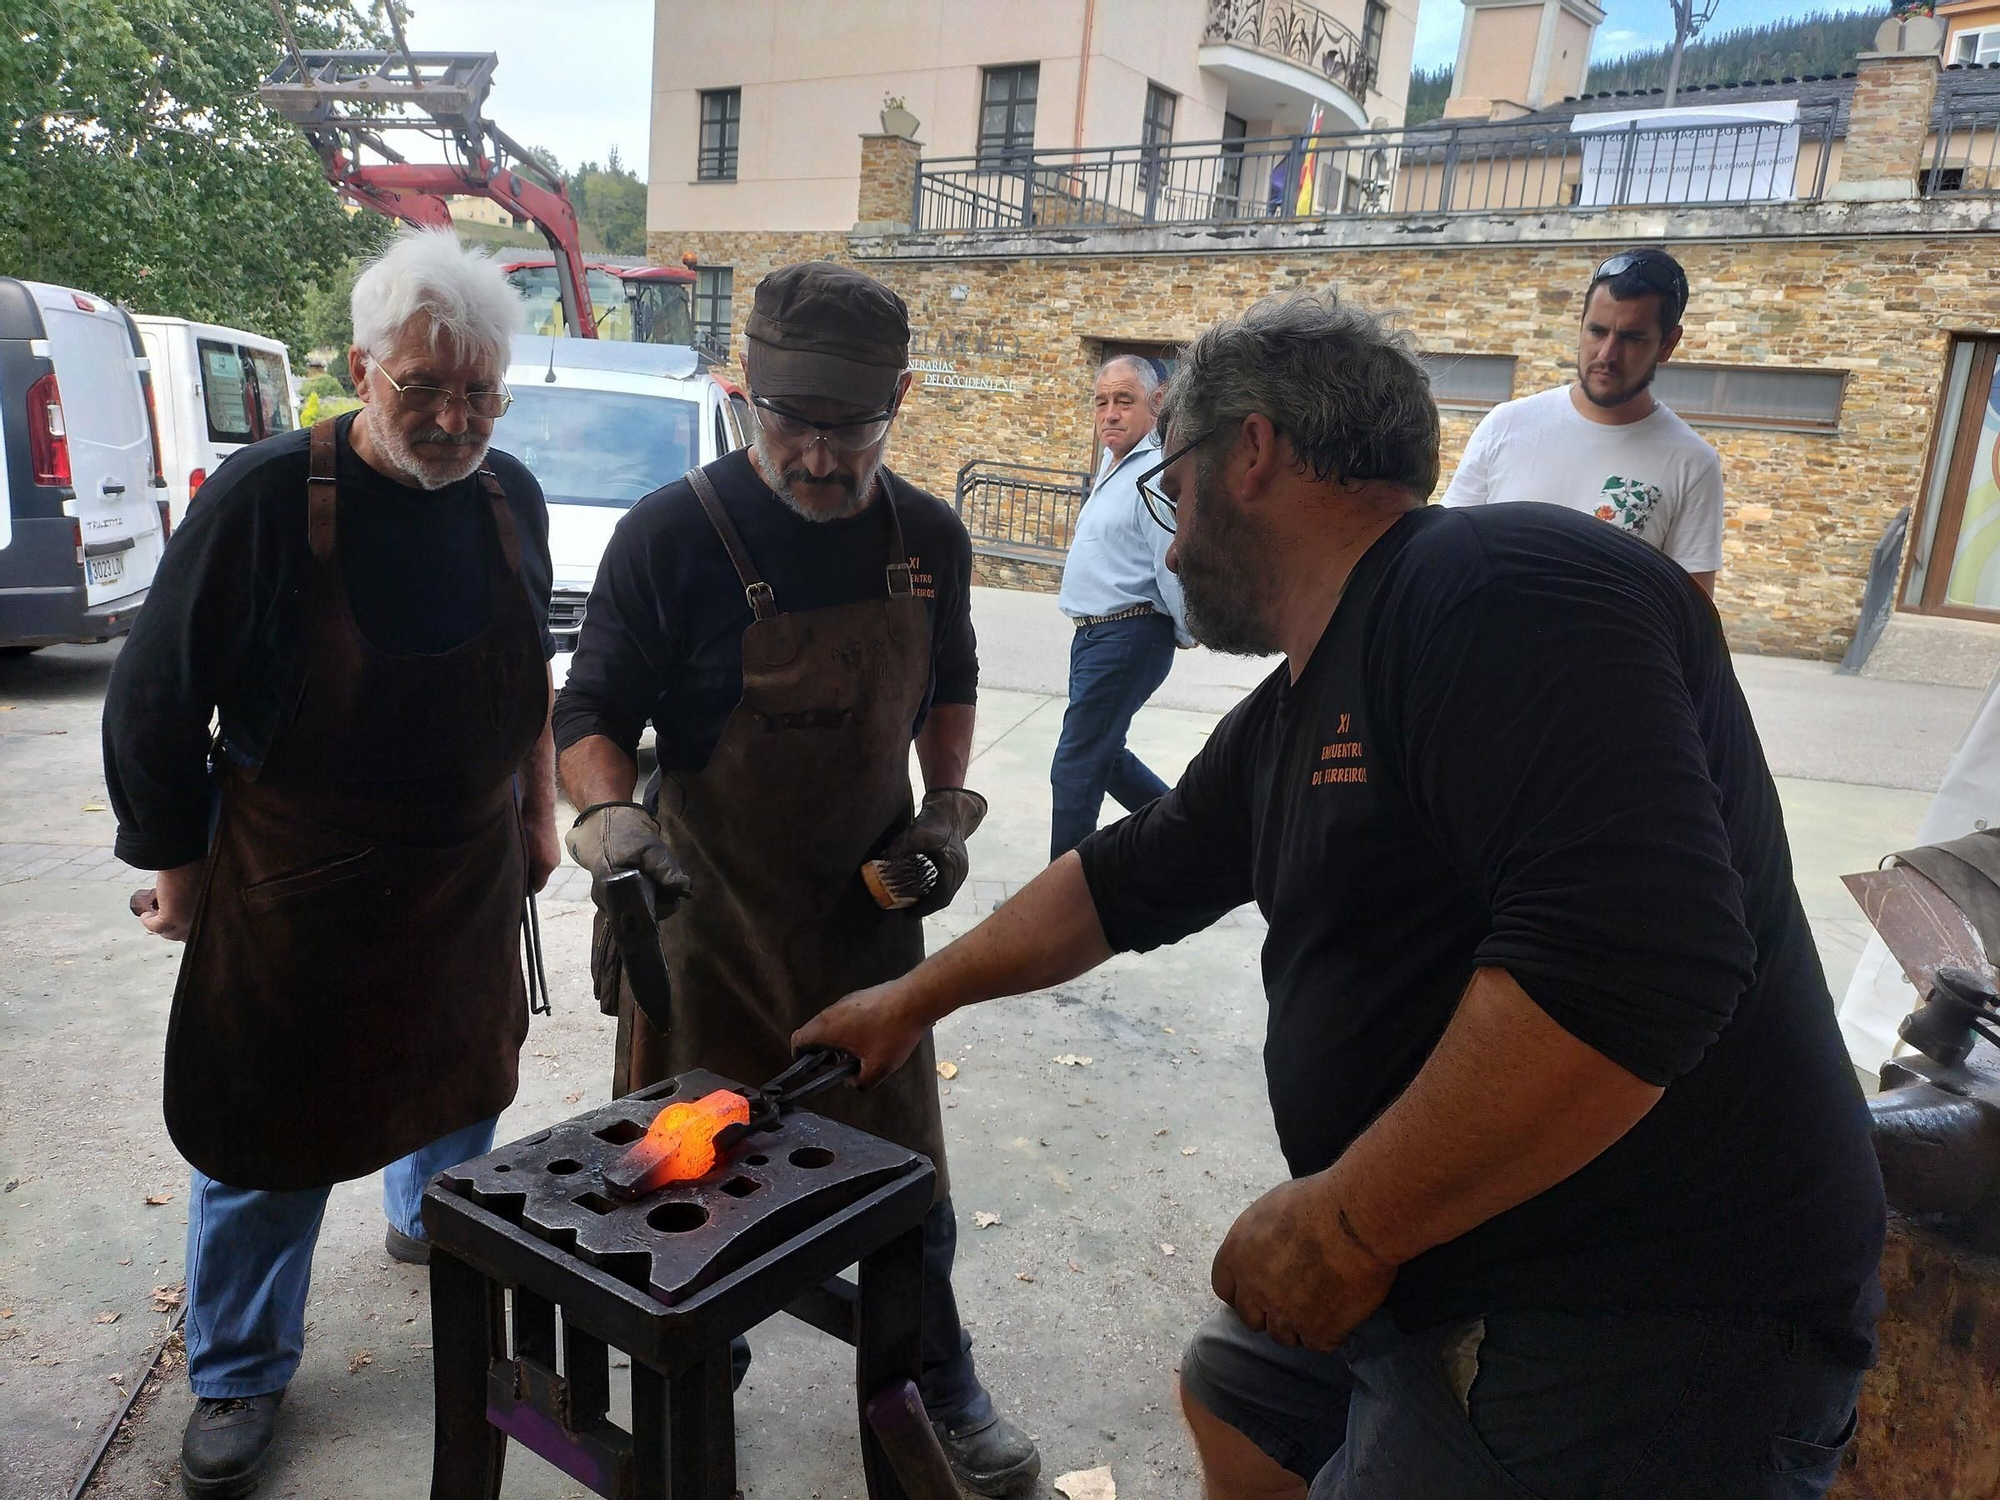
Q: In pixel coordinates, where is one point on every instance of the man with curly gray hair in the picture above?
(362, 610)
(1582, 1200)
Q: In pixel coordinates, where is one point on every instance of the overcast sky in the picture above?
(575, 76)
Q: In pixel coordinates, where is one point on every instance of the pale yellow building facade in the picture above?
(758, 107)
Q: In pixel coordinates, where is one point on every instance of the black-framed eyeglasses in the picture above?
(1662, 275)
(429, 400)
(853, 436)
(1163, 510)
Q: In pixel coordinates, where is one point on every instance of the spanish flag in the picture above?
(1308, 174)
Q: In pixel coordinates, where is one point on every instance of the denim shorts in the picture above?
(1540, 1404)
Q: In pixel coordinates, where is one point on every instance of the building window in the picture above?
(1156, 133)
(1229, 177)
(721, 113)
(1953, 568)
(1976, 46)
(1374, 21)
(1471, 381)
(713, 290)
(1807, 399)
(1007, 114)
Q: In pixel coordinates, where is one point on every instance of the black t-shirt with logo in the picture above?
(662, 638)
(1520, 744)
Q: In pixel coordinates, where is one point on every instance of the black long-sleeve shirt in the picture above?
(1520, 744)
(662, 637)
(218, 635)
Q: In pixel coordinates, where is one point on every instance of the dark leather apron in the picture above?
(352, 987)
(810, 779)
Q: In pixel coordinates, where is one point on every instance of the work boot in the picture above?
(990, 1456)
(226, 1443)
(407, 1248)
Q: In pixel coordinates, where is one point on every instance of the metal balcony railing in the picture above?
(1465, 167)
(1966, 158)
(1020, 509)
(1297, 32)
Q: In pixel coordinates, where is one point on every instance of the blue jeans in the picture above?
(1113, 669)
(249, 1263)
(1539, 1402)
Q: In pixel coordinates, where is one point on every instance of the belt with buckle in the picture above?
(1084, 622)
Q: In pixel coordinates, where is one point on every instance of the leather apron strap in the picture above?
(323, 490)
(763, 603)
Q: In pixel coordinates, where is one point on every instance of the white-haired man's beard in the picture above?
(428, 474)
(834, 498)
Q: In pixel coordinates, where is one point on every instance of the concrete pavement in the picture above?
(1076, 1306)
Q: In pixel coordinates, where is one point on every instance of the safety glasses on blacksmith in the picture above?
(856, 436)
(1158, 505)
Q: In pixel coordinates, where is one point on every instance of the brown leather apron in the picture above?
(352, 987)
(810, 779)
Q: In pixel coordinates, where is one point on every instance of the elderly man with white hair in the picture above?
(361, 611)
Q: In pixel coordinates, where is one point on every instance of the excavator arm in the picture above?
(349, 102)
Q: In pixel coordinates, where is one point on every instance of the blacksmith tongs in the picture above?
(814, 1071)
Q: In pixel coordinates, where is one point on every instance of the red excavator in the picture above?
(349, 103)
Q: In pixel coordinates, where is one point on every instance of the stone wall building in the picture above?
(1839, 346)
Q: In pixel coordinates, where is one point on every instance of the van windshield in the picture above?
(599, 447)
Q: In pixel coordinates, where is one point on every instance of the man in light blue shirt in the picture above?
(1127, 609)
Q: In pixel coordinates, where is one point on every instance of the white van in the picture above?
(218, 389)
(600, 424)
(83, 515)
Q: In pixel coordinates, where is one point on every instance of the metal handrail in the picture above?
(1297, 32)
(1026, 508)
(1441, 168)
(1966, 160)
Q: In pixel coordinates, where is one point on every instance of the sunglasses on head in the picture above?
(1662, 276)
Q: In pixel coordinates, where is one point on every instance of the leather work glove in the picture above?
(614, 836)
(948, 817)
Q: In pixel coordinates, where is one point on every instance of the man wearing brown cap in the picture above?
(791, 619)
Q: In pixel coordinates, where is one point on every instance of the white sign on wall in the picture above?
(1723, 153)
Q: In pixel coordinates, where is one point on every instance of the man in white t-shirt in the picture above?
(1604, 445)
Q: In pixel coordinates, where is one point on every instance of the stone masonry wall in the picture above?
(888, 179)
(1011, 346)
(1890, 117)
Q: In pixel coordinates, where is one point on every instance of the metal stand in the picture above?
(504, 1230)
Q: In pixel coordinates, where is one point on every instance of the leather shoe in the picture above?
(407, 1248)
(990, 1457)
(226, 1444)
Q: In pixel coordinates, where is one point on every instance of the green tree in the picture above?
(1816, 43)
(326, 318)
(611, 202)
(137, 163)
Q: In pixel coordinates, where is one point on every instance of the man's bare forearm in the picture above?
(596, 769)
(1507, 1106)
(944, 747)
(1046, 934)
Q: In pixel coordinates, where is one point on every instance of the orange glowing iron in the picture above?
(680, 1146)
(689, 1140)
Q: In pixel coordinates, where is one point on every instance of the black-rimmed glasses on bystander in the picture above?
(1158, 505)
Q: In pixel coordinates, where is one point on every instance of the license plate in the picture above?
(106, 569)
